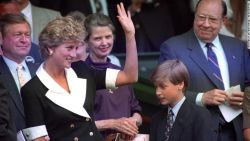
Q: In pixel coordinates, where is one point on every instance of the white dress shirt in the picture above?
(13, 66)
(222, 62)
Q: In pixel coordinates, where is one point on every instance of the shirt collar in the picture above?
(177, 107)
(13, 65)
(215, 42)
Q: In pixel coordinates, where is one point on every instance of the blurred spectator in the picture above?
(152, 28)
(37, 17)
(81, 51)
(9, 6)
(155, 21)
(88, 7)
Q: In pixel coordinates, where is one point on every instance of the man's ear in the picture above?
(225, 20)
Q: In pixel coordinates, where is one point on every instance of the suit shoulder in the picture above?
(181, 39)
(49, 12)
(231, 39)
(198, 110)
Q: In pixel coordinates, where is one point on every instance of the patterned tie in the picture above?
(20, 75)
(170, 123)
(98, 6)
(212, 60)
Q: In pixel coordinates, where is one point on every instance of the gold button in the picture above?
(76, 139)
(72, 125)
(91, 133)
(87, 119)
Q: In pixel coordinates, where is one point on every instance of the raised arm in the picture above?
(130, 72)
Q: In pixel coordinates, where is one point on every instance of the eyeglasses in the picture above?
(211, 20)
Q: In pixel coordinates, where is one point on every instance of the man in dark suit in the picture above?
(7, 131)
(16, 44)
(179, 120)
(206, 88)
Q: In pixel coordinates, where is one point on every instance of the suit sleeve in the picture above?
(6, 133)
(166, 53)
(153, 129)
(202, 126)
(34, 114)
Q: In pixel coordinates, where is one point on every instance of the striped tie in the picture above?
(212, 60)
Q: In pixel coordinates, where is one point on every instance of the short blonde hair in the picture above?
(59, 31)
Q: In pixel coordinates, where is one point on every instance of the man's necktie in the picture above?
(213, 62)
(20, 75)
(98, 6)
(170, 123)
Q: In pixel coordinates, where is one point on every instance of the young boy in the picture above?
(179, 120)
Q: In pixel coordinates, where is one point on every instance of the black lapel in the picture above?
(180, 122)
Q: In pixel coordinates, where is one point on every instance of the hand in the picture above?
(125, 20)
(126, 126)
(236, 99)
(125, 137)
(214, 97)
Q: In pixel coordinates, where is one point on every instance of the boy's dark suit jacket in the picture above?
(187, 49)
(15, 102)
(191, 124)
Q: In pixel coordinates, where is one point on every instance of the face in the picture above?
(22, 3)
(208, 20)
(168, 93)
(81, 52)
(16, 42)
(64, 55)
(100, 42)
(11, 7)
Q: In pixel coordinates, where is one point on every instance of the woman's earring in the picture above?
(50, 52)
